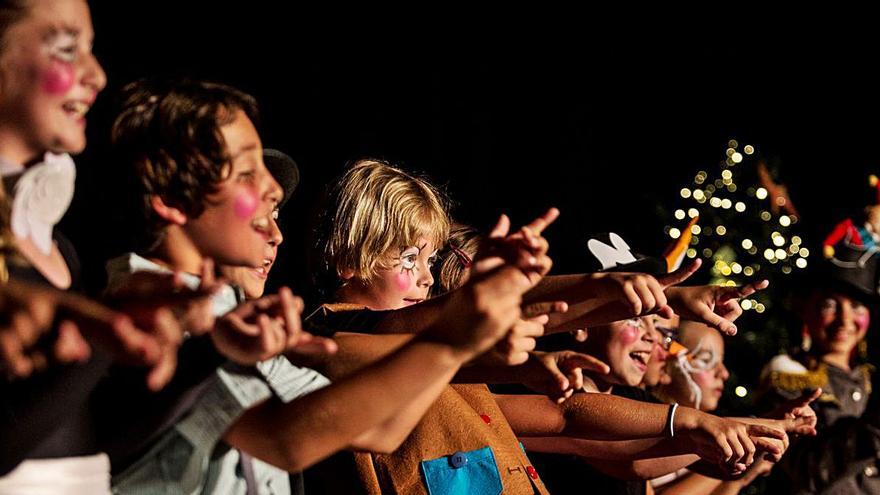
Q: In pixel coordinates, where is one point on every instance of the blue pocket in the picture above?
(463, 473)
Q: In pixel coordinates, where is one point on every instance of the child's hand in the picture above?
(264, 328)
(82, 323)
(481, 312)
(142, 293)
(525, 248)
(559, 374)
(727, 443)
(714, 305)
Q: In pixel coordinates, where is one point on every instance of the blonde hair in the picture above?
(376, 207)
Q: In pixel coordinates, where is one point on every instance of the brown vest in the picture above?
(462, 419)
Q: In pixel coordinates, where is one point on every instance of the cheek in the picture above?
(629, 336)
(704, 378)
(245, 205)
(863, 321)
(402, 281)
(58, 79)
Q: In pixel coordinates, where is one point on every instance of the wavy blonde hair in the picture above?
(376, 208)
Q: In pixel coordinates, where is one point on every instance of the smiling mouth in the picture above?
(412, 301)
(640, 358)
(263, 271)
(76, 109)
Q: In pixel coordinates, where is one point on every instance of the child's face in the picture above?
(253, 280)
(627, 346)
(236, 228)
(706, 360)
(48, 79)
(837, 322)
(406, 280)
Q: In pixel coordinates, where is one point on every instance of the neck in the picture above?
(347, 294)
(837, 359)
(177, 252)
(14, 151)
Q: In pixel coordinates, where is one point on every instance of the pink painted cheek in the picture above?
(629, 335)
(246, 205)
(59, 79)
(403, 281)
(863, 321)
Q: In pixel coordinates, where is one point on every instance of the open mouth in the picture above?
(263, 271)
(641, 358)
(77, 110)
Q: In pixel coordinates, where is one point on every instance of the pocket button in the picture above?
(458, 460)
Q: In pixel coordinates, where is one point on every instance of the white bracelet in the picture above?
(671, 419)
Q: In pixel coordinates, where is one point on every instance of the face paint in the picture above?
(689, 364)
(862, 317)
(631, 333)
(403, 281)
(59, 79)
(246, 204)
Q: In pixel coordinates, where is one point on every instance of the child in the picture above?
(207, 194)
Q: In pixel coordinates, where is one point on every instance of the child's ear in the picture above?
(168, 213)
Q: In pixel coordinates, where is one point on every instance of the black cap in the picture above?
(284, 170)
(853, 270)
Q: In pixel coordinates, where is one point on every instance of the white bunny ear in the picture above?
(619, 243)
(610, 256)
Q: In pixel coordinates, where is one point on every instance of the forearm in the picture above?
(295, 435)
(644, 469)
(589, 415)
(692, 484)
(356, 351)
(412, 319)
(621, 450)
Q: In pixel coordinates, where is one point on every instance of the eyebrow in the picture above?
(244, 149)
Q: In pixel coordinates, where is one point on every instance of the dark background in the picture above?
(608, 129)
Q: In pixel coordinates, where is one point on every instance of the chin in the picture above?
(72, 144)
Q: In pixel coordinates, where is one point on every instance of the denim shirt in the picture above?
(191, 457)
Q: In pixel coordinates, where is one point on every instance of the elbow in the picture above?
(288, 457)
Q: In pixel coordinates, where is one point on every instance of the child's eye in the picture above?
(828, 305)
(432, 260)
(274, 214)
(408, 262)
(64, 47)
(247, 176)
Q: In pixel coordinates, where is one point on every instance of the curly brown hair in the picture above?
(169, 132)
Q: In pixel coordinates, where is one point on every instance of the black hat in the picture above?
(852, 270)
(610, 253)
(284, 170)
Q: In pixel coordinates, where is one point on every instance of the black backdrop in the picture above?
(606, 128)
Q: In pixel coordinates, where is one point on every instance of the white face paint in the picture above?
(688, 364)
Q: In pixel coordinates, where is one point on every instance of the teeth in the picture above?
(76, 107)
(640, 356)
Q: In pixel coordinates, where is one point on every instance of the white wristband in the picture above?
(671, 419)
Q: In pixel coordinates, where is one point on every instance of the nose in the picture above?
(275, 236)
(93, 75)
(723, 372)
(846, 315)
(425, 278)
